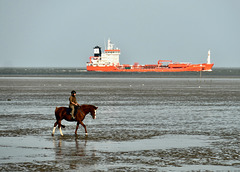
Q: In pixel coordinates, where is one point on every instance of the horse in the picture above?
(81, 111)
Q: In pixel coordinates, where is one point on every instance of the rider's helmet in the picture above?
(73, 92)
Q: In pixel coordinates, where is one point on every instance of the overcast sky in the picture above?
(60, 33)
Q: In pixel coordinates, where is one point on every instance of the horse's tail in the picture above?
(57, 115)
(56, 112)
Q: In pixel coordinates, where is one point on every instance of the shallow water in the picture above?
(143, 124)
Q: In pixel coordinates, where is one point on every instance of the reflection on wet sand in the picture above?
(61, 149)
(73, 156)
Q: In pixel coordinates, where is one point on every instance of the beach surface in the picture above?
(142, 124)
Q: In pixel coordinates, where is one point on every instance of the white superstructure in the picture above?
(110, 56)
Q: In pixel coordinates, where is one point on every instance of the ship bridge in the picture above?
(110, 56)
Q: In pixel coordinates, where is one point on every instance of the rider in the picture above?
(73, 102)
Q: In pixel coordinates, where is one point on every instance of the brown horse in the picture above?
(81, 111)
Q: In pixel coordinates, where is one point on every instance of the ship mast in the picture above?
(208, 59)
(110, 45)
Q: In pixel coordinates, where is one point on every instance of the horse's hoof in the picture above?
(86, 134)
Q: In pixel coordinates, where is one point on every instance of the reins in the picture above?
(81, 112)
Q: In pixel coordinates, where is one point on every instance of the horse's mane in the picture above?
(86, 105)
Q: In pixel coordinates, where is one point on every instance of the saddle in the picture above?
(69, 110)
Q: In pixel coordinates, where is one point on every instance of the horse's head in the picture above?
(93, 111)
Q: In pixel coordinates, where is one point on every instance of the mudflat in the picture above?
(142, 124)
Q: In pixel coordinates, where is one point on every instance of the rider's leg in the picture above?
(72, 113)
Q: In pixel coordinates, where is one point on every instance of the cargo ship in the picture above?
(108, 61)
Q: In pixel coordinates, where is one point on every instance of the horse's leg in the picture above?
(59, 126)
(55, 124)
(84, 127)
(60, 129)
(76, 128)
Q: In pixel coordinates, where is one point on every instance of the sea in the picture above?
(187, 121)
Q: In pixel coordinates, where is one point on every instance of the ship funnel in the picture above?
(208, 59)
(97, 51)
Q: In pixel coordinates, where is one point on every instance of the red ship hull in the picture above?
(152, 68)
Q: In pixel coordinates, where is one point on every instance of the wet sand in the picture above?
(143, 124)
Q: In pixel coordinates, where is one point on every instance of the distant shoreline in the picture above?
(82, 72)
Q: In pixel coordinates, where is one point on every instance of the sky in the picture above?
(60, 33)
